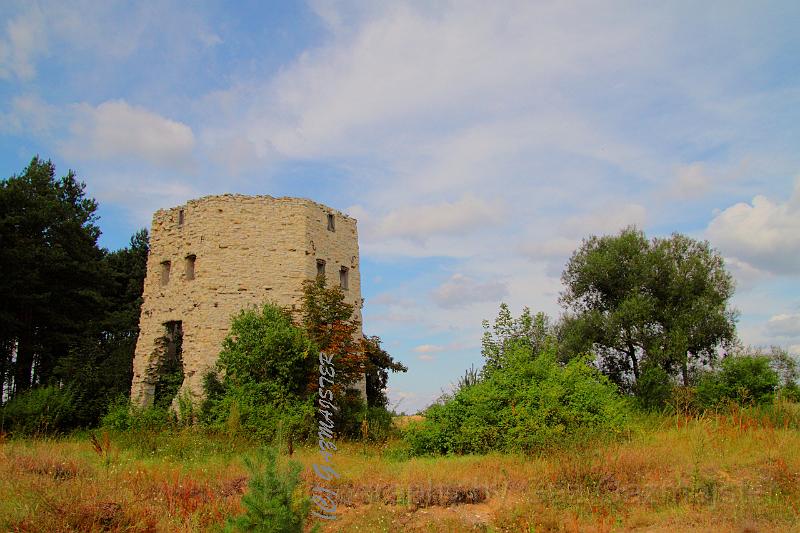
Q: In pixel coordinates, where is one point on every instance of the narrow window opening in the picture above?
(190, 260)
(169, 376)
(343, 275)
(180, 217)
(331, 222)
(165, 267)
(320, 268)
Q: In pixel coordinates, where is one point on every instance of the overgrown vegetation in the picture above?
(526, 402)
(266, 378)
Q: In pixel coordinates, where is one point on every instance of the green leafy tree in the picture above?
(664, 302)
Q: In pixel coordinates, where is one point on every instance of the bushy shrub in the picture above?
(122, 415)
(260, 385)
(744, 379)
(528, 402)
(40, 411)
(250, 409)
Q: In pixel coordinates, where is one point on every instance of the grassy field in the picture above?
(736, 472)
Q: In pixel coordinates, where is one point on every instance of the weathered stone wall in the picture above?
(247, 249)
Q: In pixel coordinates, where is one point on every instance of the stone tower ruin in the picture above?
(216, 255)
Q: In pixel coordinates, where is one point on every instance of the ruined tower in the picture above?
(216, 255)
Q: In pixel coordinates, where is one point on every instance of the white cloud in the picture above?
(24, 41)
(29, 114)
(691, 181)
(426, 357)
(746, 275)
(116, 129)
(460, 291)
(428, 348)
(763, 233)
(784, 325)
(555, 248)
(448, 218)
(608, 219)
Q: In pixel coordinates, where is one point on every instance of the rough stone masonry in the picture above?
(216, 255)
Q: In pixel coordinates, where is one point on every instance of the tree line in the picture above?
(69, 309)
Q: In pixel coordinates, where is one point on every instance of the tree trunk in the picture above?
(634, 361)
(25, 349)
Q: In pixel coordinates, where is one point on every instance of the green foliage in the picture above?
(528, 403)
(265, 347)
(507, 333)
(380, 425)
(378, 365)
(787, 368)
(743, 379)
(69, 310)
(663, 302)
(39, 411)
(273, 502)
(264, 367)
(170, 369)
(124, 416)
(52, 274)
(350, 413)
(654, 388)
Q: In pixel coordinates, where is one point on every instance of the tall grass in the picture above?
(736, 470)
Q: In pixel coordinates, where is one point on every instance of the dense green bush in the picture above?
(40, 411)
(122, 415)
(528, 402)
(744, 379)
(260, 385)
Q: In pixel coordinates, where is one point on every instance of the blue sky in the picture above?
(476, 142)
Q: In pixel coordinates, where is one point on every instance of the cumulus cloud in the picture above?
(460, 291)
(784, 325)
(116, 129)
(746, 275)
(763, 233)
